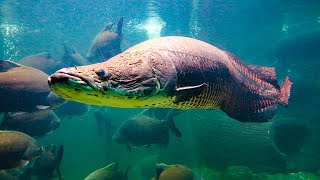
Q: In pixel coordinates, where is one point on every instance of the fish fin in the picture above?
(126, 172)
(113, 166)
(44, 55)
(5, 65)
(42, 107)
(254, 72)
(285, 91)
(267, 74)
(172, 125)
(66, 49)
(159, 168)
(188, 92)
(58, 159)
(119, 26)
(191, 87)
(108, 26)
(129, 147)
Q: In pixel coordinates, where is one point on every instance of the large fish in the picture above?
(176, 72)
(25, 89)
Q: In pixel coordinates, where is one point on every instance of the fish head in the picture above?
(54, 100)
(119, 137)
(33, 150)
(127, 80)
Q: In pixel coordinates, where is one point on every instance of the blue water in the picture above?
(282, 34)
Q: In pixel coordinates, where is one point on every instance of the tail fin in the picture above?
(173, 127)
(285, 91)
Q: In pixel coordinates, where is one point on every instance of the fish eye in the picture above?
(100, 72)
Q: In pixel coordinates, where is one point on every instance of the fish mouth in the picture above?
(77, 80)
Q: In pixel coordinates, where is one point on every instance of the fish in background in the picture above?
(106, 44)
(36, 124)
(110, 172)
(104, 124)
(42, 61)
(47, 163)
(70, 109)
(17, 149)
(72, 58)
(25, 89)
(175, 172)
(144, 130)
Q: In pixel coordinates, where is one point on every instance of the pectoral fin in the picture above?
(185, 93)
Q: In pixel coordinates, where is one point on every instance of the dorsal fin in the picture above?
(5, 65)
(119, 27)
(44, 55)
(267, 74)
(66, 50)
(108, 26)
(160, 167)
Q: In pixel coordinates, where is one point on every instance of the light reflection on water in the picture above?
(10, 40)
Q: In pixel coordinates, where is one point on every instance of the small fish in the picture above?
(104, 125)
(42, 61)
(72, 58)
(143, 130)
(106, 44)
(110, 172)
(17, 149)
(34, 124)
(48, 162)
(70, 109)
(175, 172)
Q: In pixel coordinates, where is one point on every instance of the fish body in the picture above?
(16, 149)
(41, 61)
(110, 172)
(72, 58)
(106, 44)
(48, 162)
(24, 89)
(176, 72)
(142, 130)
(175, 172)
(34, 124)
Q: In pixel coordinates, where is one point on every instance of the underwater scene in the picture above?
(159, 90)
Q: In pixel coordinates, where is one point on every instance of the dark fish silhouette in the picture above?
(72, 58)
(143, 130)
(70, 109)
(42, 61)
(48, 162)
(34, 124)
(104, 124)
(106, 44)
